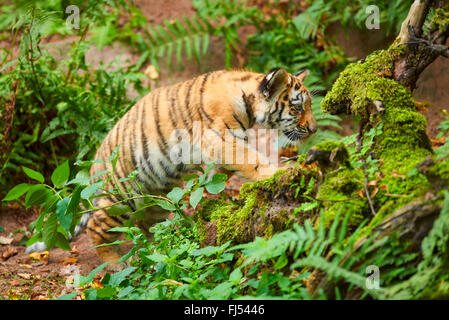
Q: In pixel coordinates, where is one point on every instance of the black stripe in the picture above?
(280, 113)
(232, 132)
(240, 122)
(172, 107)
(98, 234)
(178, 107)
(104, 221)
(249, 101)
(169, 173)
(203, 84)
(162, 143)
(187, 103)
(121, 159)
(116, 219)
(146, 152)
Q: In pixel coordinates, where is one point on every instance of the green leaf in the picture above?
(33, 174)
(49, 231)
(17, 191)
(164, 204)
(62, 242)
(196, 196)
(281, 262)
(82, 178)
(188, 177)
(236, 276)
(118, 209)
(120, 276)
(176, 194)
(157, 257)
(80, 280)
(65, 218)
(61, 175)
(37, 195)
(91, 189)
(217, 184)
(74, 200)
(67, 296)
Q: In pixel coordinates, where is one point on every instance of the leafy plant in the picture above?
(57, 108)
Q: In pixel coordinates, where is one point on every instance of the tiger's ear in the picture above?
(302, 75)
(274, 83)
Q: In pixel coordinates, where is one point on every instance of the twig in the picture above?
(359, 143)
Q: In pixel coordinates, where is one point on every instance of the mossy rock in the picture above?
(264, 208)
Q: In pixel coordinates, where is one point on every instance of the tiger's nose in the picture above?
(312, 127)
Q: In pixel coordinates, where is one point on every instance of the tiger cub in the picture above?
(221, 101)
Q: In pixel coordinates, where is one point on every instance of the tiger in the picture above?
(222, 101)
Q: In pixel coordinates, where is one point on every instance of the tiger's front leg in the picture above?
(239, 157)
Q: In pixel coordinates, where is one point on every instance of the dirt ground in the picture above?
(24, 277)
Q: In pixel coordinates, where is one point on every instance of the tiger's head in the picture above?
(286, 105)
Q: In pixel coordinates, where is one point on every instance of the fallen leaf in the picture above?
(14, 283)
(40, 256)
(374, 192)
(5, 240)
(96, 284)
(9, 252)
(27, 266)
(361, 194)
(75, 250)
(373, 183)
(394, 174)
(151, 72)
(438, 142)
(26, 276)
(422, 106)
(12, 295)
(69, 260)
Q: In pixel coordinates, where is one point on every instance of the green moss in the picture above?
(269, 232)
(269, 184)
(338, 187)
(363, 82)
(440, 19)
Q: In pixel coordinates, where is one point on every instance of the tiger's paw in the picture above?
(116, 266)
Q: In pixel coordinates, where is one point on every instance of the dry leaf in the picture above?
(361, 194)
(69, 260)
(151, 72)
(394, 174)
(12, 295)
(422, 106)
(26, 276)
(41, 256)
(373, 183)
(5, 240)
(9, 252)
(374, 192)
(438, 142)
(74, 250)
(96, 284)
(14, 283)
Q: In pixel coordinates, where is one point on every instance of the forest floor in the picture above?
(48, 276)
